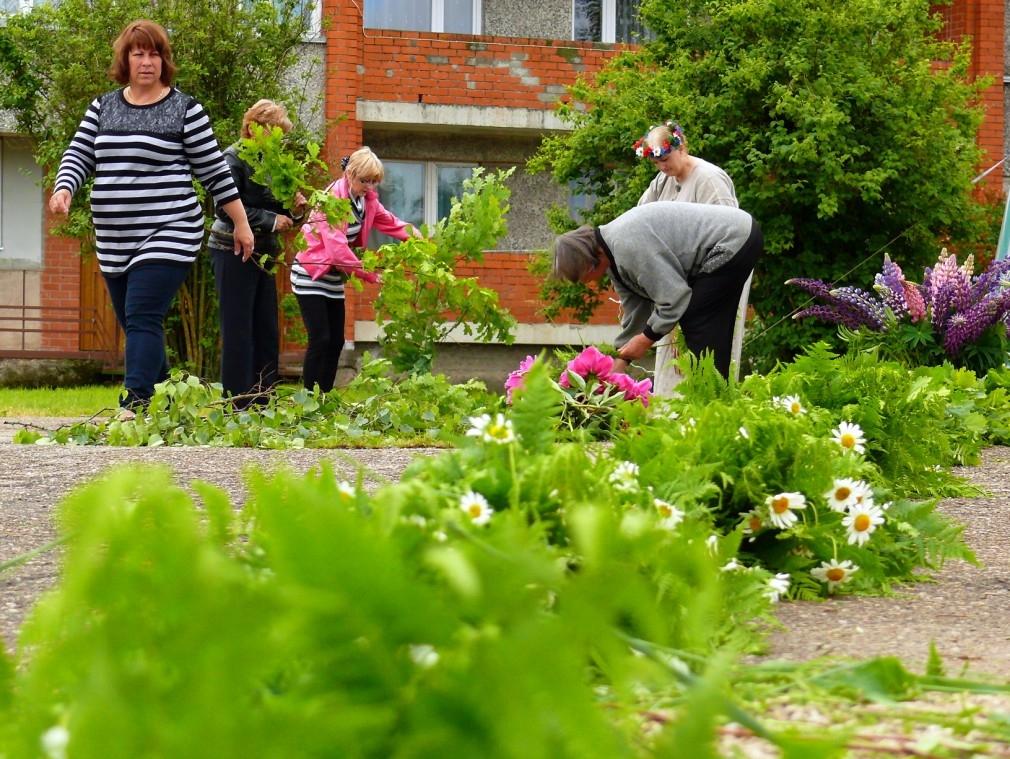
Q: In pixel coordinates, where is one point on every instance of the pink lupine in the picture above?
(913, 299)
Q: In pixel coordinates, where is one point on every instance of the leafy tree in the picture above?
(420, 287)
(53, 62)
(845, 125)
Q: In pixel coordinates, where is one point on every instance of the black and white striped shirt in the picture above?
(144, 158)
(331, 284)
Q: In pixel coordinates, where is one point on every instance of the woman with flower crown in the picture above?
(688, 179)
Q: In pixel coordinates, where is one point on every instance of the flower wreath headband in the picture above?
(644, 150)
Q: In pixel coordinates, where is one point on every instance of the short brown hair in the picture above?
(364, 164)
(141, 35)
(575, 254)
(267, 114)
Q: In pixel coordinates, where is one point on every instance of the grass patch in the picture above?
(84, 400)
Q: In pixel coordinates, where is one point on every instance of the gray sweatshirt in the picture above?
(657, 249)
(706, 183)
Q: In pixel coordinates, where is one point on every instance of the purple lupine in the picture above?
(966, 327)
(816, 287)
(947, 289)
(832, 315)
(890, 286)
(863, 304)
(996, 277)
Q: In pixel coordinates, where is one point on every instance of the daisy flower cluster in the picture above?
(958, 305)
(850, 497)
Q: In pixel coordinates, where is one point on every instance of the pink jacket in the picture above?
(327, 245)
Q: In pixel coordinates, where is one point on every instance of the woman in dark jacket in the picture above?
(247, 292)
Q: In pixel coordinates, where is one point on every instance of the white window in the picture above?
(607, 21)
(310, 9)
(456, 16)
(8, 7)
(20, 205)
(420, 192)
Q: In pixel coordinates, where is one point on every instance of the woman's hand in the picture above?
(243, 232)
(244, 239)
(635, 348)
(59, 202)
(282, 222)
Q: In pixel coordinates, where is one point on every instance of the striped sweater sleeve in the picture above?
(78, 161)
(205, 157)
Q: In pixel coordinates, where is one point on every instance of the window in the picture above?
(20, 205)
(310, 10)
(420, 192)
(8, 7)
(456, 16)
(607, 21)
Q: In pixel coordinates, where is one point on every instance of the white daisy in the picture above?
(850, 437)
(498, 430)
(743, 433)
(476, 507)
(424, 655)
(778, 586)
(346, 490)
(861, 521)
(781, 507)
(843, 493)
(732, 565)
(790, 403)
(712, 541)
(669, 515)
(834, 572)
(625, 477)
(55, 741)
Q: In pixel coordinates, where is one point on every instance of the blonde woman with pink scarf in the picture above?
(320, 270)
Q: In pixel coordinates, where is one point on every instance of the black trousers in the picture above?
(324, 322)
(250, 337)
(711, 314)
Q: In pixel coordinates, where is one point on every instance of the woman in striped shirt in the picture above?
(317, 275)
(143, 144)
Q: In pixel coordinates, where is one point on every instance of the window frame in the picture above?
(608, 21)
(429, 183)
(438, 18)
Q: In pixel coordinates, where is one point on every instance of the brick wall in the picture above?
(983, 22)
(60, 296)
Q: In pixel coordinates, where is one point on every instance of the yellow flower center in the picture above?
(474, 510)
(665, 510)
(795, 407)
(780, 505)
(835, 574)
(754, 523)
(861, 523)
(842, 494)
(848, 440)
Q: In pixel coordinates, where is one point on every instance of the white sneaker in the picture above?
(126, 415)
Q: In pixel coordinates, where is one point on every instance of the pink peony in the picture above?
(632, 390)
(515, 379)
(589, 364)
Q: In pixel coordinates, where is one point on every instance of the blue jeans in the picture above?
(141, 297)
